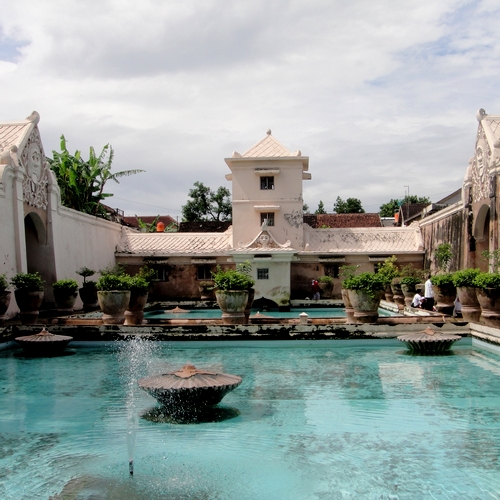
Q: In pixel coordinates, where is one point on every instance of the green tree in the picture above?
(349, 206)
(305, 208)
(82, 182)
(321, 208)
(207, 205)
(390, 208)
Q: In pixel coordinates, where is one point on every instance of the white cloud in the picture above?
(378, 94)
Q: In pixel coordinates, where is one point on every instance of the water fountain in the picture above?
(429, 341)
(44, 343)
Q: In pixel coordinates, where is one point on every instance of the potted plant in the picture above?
(113, 294)
(326, 285)
(88, 290)
(4, 296)
(488, 296)
(388, 270)
(397, 292)
(28, 291)
(346, 272)
(408, 287)
(134, 315)
(365, 292)
(206, 288)
(232, 291)
(444, 292)
(467, 293)
(65, 293)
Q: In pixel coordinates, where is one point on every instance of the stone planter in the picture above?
(409, 292)
(89, 298)
(444, 297)
(398, 296)
(326, 290)
(113, 304)
(248, 307)
(232, 304)
(471, 310)
(206, 292)
(489, 300)
(389, 296)
(365, 307)
(4, 304)
(349, 311)
(29, 304)
(134, 315)
(65, 301)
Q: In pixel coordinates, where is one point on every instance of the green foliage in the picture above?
(465, 277)
(148, 227)
(147, 274)
(349, 206)
(232, 279)
(29, 282)
(443, 279)
(115, 270)
(410, 281)
(110, 282)
(369, 283)
(411, 271)
(82, 182)
(138, 285)
(443, 255)
(67, 285)
(390, 208)
(305, 208)
(326, 279)
(89, 285)
(487, 280)
(493, 258)
(207, 205)
(321, 208)
(388, 270)
(4, 284)
(85, 272)
(346, 272)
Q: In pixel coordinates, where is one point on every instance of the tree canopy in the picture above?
(207, 205)
(390, 208)
(349, 206)
(321, 208)
(82, 182)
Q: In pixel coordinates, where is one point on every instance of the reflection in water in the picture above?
(202, 416)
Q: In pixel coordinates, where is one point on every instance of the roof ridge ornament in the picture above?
(481, 113)
(268, 132)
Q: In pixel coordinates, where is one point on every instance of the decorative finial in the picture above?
(268, 131)
(480, 114)
(34, 117)
(236, 154)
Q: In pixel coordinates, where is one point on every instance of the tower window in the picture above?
(263, 274)
(267, 217)
(267, 182)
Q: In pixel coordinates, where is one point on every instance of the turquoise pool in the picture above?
(311, 420)
(313, 312)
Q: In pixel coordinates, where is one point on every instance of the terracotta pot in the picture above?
(134, 315)
(232, 304)
(29, 304)
(444, 296)
(489, 300)
(389, 296)
(65, 301)
(89, 298)
(349, 311)
(113, 304)
(409, 292)
(365, 307)
(471, 310)
(398, 296)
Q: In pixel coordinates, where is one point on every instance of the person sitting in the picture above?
(417, 300)
(457, 312)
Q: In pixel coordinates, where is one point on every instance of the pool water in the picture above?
(313, 312)
(311, 420)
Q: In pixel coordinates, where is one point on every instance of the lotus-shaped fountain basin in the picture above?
(428, 341)
(189, 389)
(44, 343)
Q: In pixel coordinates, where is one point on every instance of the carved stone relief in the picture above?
(36, 172)
(480, 168)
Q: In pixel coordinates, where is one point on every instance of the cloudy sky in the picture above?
(379, 94)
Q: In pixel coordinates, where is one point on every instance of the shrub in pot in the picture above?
(467, 293)
(397, 293)
(88, 290)
(65, 293)
(113, 293)
(388, 271)
(28, 291)
(326, 285)
(488, 296)
(346, 272)
(4, 296)
(408, 287)
(365, 292)
(232, 291)
(444, 292)
(206, 288)
(134, 315)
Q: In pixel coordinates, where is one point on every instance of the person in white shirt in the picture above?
(417, 300)
(428, 303)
